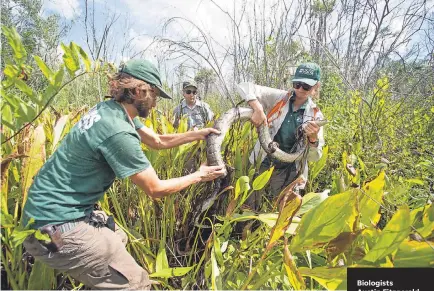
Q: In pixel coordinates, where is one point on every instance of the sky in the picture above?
(138, 22)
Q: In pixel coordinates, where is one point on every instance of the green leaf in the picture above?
(284, 219)
(70, 58)
(34, 162)
(241, 186)
(325, 222)
(58, 130)
(42, 277)
(84, 57)
(392, 235)
(370, 200)
(58, 78)
(7, 220)
(415, 181)
(312, 200)
(262, 179)
(161, 262)
(7, 117)
(216, 279)
(294, 275)
(414, 254)
(319, 165)
(18, 236)
(44, 69)
(428, 221)
(329, 278)
(14, 40)
(171, 272)
(42, 236)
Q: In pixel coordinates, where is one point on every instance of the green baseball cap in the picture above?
(188, 84)
(309, 73)
(144, 70)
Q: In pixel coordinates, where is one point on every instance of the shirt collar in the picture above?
(198, 103)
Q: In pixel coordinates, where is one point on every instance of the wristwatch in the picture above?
(314, 143)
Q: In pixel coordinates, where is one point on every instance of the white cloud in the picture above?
(69, 9)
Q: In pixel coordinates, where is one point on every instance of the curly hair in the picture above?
(122, 87)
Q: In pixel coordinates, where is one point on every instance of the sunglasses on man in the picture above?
(188, 92)
(298, 85)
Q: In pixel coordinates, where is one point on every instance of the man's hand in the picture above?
(209, 173)
(203, 133)
(311, 129)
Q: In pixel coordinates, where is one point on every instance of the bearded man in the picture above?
(103, 145)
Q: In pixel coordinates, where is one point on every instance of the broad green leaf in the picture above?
(216, 279)
(7, 117)
(329, 278)
(370, 200)
(396, 230)
(14, 40)
(171, 272)
(262, 179)
(23, 87)
(311, 200)
(42, 236)
(325, 222)
(217, 250)
(42, 277)
(58, 130)
(162, 262)
(414, 254)
(292, 271)
(70, 59)
(58, 77)
(34, 162)
(7, 220)
(285, 217)
(11, 71)
(241, 186)
(44, 69)
(319, 165)
(84, 57)
(428, 221)
(18, 236)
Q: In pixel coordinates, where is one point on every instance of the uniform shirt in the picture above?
(197, 116)
(286, 135)
(101, 146)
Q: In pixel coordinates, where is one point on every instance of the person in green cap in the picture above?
(102, 146)
(285, 112)
(198, 112)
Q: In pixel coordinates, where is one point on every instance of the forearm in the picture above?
(166, 141)
(167, 187)
(149, 182)
(176, 139)
(265, 95)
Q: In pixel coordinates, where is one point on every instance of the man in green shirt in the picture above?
(103, 145)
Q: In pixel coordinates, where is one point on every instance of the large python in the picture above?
(214, 157)
(214, 141)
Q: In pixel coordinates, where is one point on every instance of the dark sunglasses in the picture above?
(190, 91)
(305, 86)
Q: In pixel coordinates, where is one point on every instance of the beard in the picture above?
(142, 108)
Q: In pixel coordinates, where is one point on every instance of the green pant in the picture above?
(95, 256)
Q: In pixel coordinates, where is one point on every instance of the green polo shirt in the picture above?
(285, 137)
(103, 145)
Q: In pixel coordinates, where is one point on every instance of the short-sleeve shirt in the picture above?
(197, 116)
(103, 145)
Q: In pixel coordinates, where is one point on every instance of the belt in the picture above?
(67, 226)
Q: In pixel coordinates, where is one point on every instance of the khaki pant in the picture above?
(95, 256)
(278, 181)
